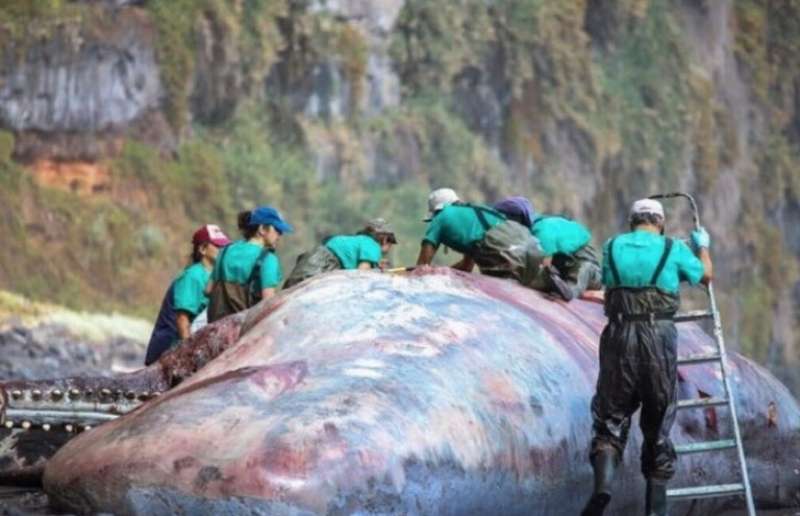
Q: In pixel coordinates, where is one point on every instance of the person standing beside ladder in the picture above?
(642, 271)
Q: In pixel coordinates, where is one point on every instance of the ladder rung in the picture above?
(699, 359)
(693, 315)
(692, 493)
(702, 402)
(706, 446)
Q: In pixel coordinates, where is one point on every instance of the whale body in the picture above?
(436, 392)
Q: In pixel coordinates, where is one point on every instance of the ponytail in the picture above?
(243, 223)
(196, 256)
(243, 220)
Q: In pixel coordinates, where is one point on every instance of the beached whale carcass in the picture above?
(436, 393)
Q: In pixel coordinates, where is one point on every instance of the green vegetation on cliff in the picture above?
(581, 105)
(244, 36)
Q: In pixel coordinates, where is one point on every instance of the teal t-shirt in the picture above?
(271, 273)
(458, 227)
(559, 235)
(235, 265)
(189, 290)
(637, 254)
(354, 249)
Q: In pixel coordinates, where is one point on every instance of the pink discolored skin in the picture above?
(433, 393)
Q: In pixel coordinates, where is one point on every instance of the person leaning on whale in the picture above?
(498, 245)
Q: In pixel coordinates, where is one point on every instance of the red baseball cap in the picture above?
(210, 234)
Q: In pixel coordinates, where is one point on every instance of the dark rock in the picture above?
(86, 86)
(218, 83)
(23, 501)
(71, 94)
(481, 104)
(603, 23)
(50, 350)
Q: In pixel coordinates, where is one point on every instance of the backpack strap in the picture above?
(481, 211)
(612, 264)
(257, 269)
(221, 258)
(662, 262)
(482, 218)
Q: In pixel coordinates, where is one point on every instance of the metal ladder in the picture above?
(719, 357)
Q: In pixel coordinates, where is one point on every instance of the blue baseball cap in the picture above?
(267, 215)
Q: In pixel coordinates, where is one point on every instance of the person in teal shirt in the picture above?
(186, 298)
(642, 271)
(570, 264)
(248, 270)
(498, 246)
(364, 251)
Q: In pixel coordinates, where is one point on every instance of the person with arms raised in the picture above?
(642, 272)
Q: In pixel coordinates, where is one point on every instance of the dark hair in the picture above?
(379, 237)
(637, 219)
(243, 223)
(196, 256)
(518, 218)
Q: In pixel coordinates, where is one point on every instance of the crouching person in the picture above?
(364, 251)
(484, 236)
(570, 265)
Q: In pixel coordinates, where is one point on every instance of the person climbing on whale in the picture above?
(485, 237)
(186, 298)
(569, 259)
(248, 270)
(642, 271)
(364, 250)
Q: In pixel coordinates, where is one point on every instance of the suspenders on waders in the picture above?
(480, 212)
(230, 297)
(252, 281)
(620, 317)
(656, 273)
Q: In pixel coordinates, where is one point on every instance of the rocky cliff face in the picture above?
(333, 108)
(68, 88)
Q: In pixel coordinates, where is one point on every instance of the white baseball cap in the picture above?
(438, 199)
(647, 206)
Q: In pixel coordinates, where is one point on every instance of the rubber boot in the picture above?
(604, 464)
(656, 499)
(559, 285)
